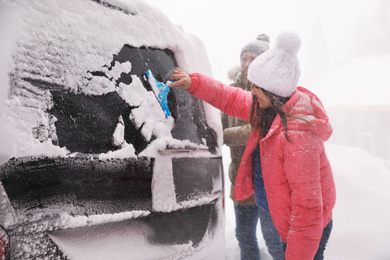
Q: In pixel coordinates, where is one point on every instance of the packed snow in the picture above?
(90, 53)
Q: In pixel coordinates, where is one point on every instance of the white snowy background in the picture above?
(345, 58)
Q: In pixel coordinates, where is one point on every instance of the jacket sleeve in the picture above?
(233, 101)
(302, 168)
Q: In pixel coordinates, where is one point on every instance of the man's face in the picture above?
(246, 59)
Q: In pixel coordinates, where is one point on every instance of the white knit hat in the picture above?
(277, 70)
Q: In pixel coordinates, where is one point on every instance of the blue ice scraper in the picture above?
(160, 90)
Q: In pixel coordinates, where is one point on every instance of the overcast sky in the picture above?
(333, 32)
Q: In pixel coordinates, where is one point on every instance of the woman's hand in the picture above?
(180, 79)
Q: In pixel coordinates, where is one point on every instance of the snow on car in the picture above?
(92, 165)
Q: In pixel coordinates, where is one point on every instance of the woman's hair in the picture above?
(262, 118)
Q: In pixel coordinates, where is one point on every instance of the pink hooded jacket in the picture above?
(297, 176)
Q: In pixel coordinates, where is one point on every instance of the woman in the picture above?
(235, 135)
(284, 162)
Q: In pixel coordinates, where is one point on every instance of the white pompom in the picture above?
(289, 41)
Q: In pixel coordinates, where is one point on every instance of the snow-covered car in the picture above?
(92, 164)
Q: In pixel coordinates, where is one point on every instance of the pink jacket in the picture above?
(297, 176)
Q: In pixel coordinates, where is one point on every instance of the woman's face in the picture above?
(246, 60)
(261, 98)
